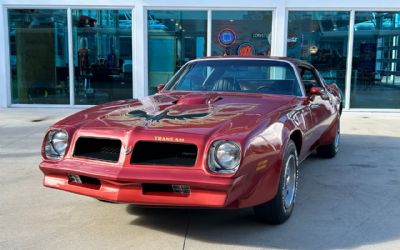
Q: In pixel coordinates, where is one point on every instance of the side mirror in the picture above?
(160, 87)
(319, 91)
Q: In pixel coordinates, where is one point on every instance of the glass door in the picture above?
(174, 38)
(102, 55)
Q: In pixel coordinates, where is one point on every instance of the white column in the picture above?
(5, 93)
(209, 32)
(139, 38)
(70, 58)
(349, 61)
(279, 31)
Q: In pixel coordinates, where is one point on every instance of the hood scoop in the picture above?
(201, 98)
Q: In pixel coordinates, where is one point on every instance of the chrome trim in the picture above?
(49, 143)
(289, 182)
(213, 161)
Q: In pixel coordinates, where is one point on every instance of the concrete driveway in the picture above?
(351, 201)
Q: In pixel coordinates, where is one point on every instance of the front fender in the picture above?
(262, 162)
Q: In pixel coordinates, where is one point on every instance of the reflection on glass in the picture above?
(174, 38)
(241, 76)
(376, 62)
(38, 56)
(102, 55)
(241, 33)
(321, 38)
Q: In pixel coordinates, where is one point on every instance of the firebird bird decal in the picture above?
(174, 117)
(164, 115)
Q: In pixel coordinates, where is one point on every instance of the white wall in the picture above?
(4, 94)
(279, 7)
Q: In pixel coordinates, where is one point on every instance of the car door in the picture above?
(320, 105)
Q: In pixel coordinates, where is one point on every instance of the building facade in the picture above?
(72, 53)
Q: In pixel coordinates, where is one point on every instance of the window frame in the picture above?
(169, 84)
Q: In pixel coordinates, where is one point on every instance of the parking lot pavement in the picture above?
(351, 201)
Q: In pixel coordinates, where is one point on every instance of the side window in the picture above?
(309, 79)
(307, 75)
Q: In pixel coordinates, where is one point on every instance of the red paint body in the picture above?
(262, 124)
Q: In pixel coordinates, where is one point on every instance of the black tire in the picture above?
(277, 211)
(330, 150)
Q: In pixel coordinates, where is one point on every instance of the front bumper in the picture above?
(125, 184)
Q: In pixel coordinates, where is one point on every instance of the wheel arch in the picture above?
(297, 138)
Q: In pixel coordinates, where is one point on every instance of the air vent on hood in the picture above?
(202, 98)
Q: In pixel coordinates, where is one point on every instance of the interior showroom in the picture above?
(78, 53)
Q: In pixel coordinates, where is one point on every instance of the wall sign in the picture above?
(259, 35)
(226, 37)
(292, 40)
(313, 49)
(245, 49)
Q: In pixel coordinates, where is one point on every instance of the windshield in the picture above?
(243, 76)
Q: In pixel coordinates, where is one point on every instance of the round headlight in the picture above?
(224, 157)
(56, 144)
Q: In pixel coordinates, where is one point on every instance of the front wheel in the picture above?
(279, 209)
(330, 150)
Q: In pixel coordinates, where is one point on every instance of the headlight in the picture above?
(224, 157)
(56, 144)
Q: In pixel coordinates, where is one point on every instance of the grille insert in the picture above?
(98, 149)
(84, 181)
(163, 189)
(160, 153)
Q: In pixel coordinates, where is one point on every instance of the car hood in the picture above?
(183, 112)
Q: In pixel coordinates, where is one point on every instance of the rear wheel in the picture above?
(330, 150)
(279, 209)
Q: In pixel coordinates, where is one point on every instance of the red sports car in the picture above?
(224, 132)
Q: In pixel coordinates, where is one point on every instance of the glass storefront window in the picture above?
(321, 38)
(102, 55)
(376, 61)
(174, 38)
(38, 56)
(241, 33)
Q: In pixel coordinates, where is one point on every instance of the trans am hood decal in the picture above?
(197, 113)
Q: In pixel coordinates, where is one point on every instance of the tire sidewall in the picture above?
(290, 149)
(337, 134)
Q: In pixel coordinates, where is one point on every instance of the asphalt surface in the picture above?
(351, 201)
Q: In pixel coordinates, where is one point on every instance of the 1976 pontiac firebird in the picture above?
(224, 132)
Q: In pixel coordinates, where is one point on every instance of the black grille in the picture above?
(160, 153)
(98, 149)
(154, 188)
